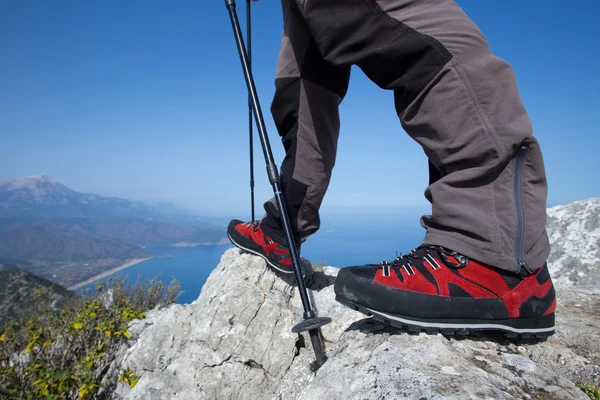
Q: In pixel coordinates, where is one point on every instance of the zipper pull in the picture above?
(526, 267)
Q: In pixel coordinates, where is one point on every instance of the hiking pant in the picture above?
(453, 96)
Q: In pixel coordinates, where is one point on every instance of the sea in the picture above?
(343, 240)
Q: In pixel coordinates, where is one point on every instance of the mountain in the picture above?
(42, 219)
(143, 232)
(235, 340)
(42, 196)
(20, 294)
(69, 237)
(139, 232)
(47, 242)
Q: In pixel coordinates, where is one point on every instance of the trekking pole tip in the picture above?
(317, 343)
(313, 325)
(315, 365)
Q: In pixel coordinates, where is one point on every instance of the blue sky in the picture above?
(146, 100)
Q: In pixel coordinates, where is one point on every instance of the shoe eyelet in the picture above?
(463, 261)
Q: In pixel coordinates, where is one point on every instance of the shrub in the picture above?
(66, 354)
(592, 390)
(318, 267)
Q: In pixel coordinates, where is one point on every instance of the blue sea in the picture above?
(343, 240)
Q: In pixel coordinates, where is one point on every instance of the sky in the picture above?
(146, 100)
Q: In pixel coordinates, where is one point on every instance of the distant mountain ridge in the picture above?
(49, 243)
(138, 232)
(91, 220)
(42, 196)
(67, 236)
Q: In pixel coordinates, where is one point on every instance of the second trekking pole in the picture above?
(249, 38)
(311, 322)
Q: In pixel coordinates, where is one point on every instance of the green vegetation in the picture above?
(129, 377)
(592, 390)
(65, 354)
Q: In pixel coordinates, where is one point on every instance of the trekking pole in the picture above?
(249, 38)
(311, 322)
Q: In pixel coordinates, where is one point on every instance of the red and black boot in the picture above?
(251, 238)
(439, 291)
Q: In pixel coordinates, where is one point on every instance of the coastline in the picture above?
(104, 274)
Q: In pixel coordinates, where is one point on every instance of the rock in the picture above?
(235, 342)
(238, 330)
(429, 367)
(574, 232)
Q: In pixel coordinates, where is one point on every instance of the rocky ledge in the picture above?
(235, 342)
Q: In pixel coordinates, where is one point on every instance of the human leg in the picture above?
(305, 110)
(482, 265)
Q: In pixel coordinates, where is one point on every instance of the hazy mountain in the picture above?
(20, 294)
(41, 196)
(50, 243)
(68, 236)
(133, 231)
(143, 232)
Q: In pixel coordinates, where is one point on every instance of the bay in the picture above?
(360, 242)
(344, 240)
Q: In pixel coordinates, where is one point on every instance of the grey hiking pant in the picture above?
(453, 96)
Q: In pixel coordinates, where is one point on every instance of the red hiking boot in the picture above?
(439, 291)
(251, 238)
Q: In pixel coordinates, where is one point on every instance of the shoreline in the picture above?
(127, 264)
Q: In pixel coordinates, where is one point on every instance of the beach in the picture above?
(104, 274)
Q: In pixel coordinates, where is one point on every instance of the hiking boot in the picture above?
(439, 291)
(251, 238)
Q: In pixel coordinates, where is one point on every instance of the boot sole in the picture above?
(512, 328)
(257, 253)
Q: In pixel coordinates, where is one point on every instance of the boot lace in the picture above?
(424, 253)
(254, 225)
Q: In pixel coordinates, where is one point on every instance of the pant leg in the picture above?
(305, 110)
(461, 104)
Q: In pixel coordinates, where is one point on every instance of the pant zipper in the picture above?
(518, 190)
